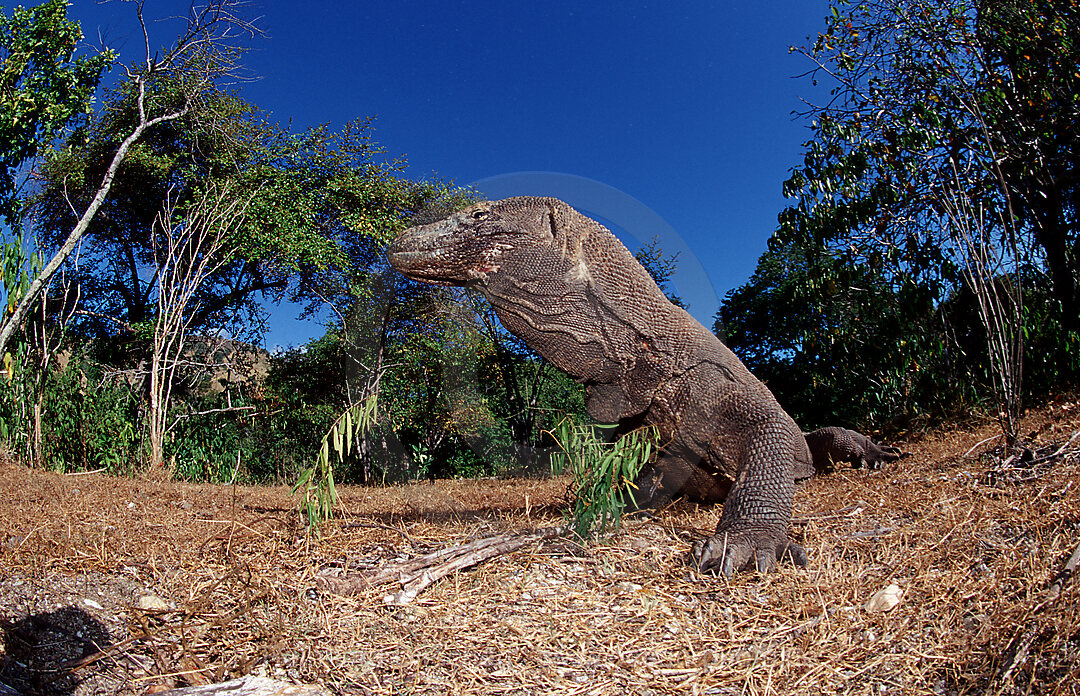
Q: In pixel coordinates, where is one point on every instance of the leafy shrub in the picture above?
(90, 421)
(603, 471)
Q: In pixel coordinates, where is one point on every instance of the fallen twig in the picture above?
(1060, 450)
(980, 442)
(1063, 577)
(416, 574)
(251, 686)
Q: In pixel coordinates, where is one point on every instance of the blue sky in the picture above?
(681, 109)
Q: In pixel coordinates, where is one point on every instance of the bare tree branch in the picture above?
(188, 251)
(205, 54)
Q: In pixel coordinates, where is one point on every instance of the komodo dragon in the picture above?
(567, 287)
(831, 445)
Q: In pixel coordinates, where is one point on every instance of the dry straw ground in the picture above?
(976, 545)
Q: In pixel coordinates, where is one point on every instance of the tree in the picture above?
(835, 339)
(388, 326)
(1031, 105)
(932, 123)
(43, 89)
(201, 57)
(312, 197)
(189, 248)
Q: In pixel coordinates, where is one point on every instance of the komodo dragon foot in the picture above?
(746, 547)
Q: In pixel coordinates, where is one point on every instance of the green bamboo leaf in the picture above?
(348, 431)
(321, 490)
(305, 476)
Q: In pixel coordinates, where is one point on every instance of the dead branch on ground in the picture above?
(416, 574)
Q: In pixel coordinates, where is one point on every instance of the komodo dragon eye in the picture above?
(480, 215)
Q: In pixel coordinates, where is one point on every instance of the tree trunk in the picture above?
(1052, 233)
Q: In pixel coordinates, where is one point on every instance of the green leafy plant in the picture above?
(316, 489)
(942, 161)
(603, 471)
(16, 269)
(422, 457)
(89, 421)
(45, 89)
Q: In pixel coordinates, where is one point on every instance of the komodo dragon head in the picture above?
(543, 243)
(465, 247)
(561, 282)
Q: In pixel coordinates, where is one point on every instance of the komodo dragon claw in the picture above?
(730, 552)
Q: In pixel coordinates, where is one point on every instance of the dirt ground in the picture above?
(121, 586)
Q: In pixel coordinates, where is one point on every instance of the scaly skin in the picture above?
(829, 446)
(566, 286)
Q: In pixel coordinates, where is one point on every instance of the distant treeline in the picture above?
(928, 262)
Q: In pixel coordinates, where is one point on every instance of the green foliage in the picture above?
(316, 204)
(1052, 347)
(14, 400)
(211, 443)
(90, 424)
(43, 89)
(933, 108)
(460, 397)
(603, 471)
(923, 92)
(851, 347)
(318, 494)
(88, 421)
(848, 346)
(16, 269)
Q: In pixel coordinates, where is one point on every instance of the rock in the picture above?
(885, 599)
(151, 603)
(399, 598)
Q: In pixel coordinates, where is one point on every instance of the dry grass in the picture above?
(973, 553)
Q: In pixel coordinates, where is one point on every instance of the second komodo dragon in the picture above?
(831, 445)
(567, 287)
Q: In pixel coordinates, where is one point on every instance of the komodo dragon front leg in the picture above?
(766, 447)
(728, 442)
